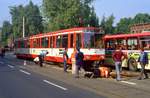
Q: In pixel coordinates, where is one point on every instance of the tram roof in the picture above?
(147, 33)
(67, 30)
(62, 31)
(74, 29)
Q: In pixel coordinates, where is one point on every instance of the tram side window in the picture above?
(132, 44)
(115, 43)
(121, 43)
(145, 43)
(71, 41)
(78, 40)
(36, 43)
(16, 45)
(110, 45)
(22, 44)
(64, 41)
(27, 44)
(45, 42)
(58, 41)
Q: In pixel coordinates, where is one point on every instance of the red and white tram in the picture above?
(89, 39)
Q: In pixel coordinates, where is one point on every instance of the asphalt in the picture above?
(104, 87)
(18, 82)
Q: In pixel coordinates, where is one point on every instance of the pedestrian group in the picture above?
(118, 56)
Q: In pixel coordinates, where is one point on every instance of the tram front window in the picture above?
(92, 40)
(89, 40)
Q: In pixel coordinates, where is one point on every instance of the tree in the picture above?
(94, 21)
(107, 24)
(141, 18)
(103, 21)
(33, 19)
(123, 25)
(68, 13)
(17, 14)
(6, 32)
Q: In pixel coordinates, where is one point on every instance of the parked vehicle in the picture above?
(130, 44)
(88, 39)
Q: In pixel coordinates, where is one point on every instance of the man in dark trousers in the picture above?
(2, 52)
(143, 59)
(41, 57)
(65, 58)
(79, 61)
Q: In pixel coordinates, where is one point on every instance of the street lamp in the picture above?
(89, 20)
(23, 24)
(23, 29)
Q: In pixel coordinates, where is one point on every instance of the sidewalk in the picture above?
(106, 87)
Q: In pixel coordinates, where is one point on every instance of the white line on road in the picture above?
(10, 66)
(25, 72)
(57, 68)
(46, 81)
(1, 62)
(132, 83)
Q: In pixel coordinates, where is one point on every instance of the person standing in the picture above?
(41, 57)
(117, 57)
(2, 52)
(73, 61)
(143, 59)
(65, 58)
(79, 61)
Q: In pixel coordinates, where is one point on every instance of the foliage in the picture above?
(33, 20)
(107, 24)
(69, 13)
(124, 25)
(141, 18)
(6, 32)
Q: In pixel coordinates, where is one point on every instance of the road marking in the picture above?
(25, 72)
(10, 66)
(132, 83)
(46, 81)
(1, 62)
(22, 67)
(57, 68)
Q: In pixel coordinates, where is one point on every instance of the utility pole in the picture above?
(23, 31)
(23, 25)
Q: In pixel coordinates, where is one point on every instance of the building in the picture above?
(137, 28)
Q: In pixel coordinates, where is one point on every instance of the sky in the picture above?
(119, 8)
(6, 4)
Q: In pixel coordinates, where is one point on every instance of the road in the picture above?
(19, 80)
(16, 82)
